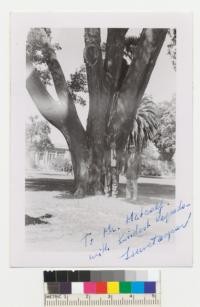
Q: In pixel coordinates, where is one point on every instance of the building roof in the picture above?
(60, 146)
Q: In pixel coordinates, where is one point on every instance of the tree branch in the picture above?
(135, 83)
(62, 114)
(41, 97)
(142, 65)
(57, 74)
(114, 53)
(57, 112)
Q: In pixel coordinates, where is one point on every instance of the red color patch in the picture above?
(101, 287)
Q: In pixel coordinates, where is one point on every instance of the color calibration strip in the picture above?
(109, 287)
(101, 282)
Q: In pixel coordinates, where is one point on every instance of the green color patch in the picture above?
(125, 287)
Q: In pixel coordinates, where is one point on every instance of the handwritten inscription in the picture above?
(157, 239)
(138, 231)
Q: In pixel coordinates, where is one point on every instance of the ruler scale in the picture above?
(103, 288)
(100, 300)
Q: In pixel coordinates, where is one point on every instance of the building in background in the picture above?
(57, 158)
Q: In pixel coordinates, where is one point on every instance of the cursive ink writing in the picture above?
(157, 239)
(87, 239)
(136, 216)
(101, 251)
(109, 230)
(164, 217)
(137, 230)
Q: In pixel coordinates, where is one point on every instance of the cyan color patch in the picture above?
(137, 287)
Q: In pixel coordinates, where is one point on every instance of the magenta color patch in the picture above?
(89, 287)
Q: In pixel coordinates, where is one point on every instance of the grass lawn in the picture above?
(72, 218)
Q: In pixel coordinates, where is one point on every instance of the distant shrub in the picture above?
(167, 168)
(157, 168)
(150, 168)
(61, 164)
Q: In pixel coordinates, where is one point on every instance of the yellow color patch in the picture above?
(113, 287)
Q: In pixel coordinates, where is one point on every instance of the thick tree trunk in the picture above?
(80, 156)
(111, 110)
(98, 105)
(102, 82)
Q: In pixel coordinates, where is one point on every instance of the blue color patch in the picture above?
(150, 287)
(137, 287)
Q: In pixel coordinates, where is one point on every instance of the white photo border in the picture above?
(181, 253)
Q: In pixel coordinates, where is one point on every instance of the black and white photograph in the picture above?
(101, 170)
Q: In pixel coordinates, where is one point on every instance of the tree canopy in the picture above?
(116, 83)
(38, 47)
(37, 134)
(172, 46)
(165, 139)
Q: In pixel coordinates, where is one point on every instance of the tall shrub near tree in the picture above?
(165, 139)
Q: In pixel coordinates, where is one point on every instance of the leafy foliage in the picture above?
(37, 46)
(37, 135)
(62, 164)
(150, 168)
(131, 43)
(39, 40)
(78, 80)
(151, 165)
(78, 85)
(145, 124)
(172, 46)
(165, 139)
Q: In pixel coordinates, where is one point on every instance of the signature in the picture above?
(155, 240)
(125, 236)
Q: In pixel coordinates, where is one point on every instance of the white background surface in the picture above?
(23, 287)
(178, 251)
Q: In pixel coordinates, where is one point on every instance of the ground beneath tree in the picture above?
(71, 218)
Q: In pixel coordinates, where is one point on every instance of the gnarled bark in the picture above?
(111, 109)
(102, 83)
(114, 54)
(98, 104)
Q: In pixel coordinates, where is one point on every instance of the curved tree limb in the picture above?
(63, 115)
(47, 106)
(135, 83)
(57, 74)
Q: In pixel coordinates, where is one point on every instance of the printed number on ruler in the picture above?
(123, 300)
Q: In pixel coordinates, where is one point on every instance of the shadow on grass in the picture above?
(151, 190)
(150, 193)
(49, 184)
(146, 191)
